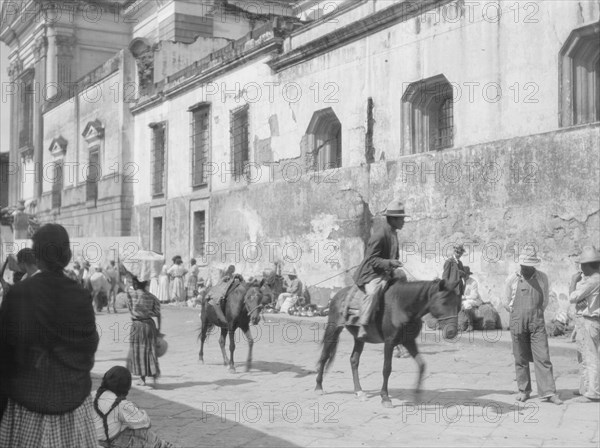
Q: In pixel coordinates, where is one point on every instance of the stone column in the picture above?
(15, 69)
(39, 52)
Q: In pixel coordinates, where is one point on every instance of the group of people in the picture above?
(525, 297)
(176, 284)
(48, 341)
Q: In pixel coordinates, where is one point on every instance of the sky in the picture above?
(4, 104)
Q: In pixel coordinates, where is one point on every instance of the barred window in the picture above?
(428, 116)
(57, 184)
(579, 68)
(199, 233)
(92, 176)
(442, 134)
(325, 132)
(239, 140)
(200, 144)
(157, 234)
(159, 133)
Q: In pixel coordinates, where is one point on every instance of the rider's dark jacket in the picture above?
(382, 247)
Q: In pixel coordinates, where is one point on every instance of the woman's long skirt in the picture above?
(142, 359)
(21, 427)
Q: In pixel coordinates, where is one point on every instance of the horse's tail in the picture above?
(332, 335)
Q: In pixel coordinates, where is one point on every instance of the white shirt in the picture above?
(125, 415)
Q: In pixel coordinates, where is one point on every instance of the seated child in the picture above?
(119, 422)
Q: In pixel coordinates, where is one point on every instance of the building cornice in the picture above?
(203, 76)
(399, 12)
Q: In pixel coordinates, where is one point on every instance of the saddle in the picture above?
(221, 290)
(353, 303)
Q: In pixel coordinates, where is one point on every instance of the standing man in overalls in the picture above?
(526, 297)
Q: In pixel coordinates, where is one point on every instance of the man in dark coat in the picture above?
(454, 270)
(381, 258)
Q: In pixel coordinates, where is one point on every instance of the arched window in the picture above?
(325, 144)
(428, 115)
(580, 77)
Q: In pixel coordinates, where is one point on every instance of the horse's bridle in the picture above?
(250, 311)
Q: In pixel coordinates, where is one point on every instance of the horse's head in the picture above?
(253, 301)
(444, 305)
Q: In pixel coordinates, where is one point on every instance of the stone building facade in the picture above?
(306, 132)
(55, 51)
(275, 134)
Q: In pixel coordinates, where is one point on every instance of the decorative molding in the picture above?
(58, 147)
(40, 47)
(26, 153)
(65, 45)
(15, 68)
(93, 131)
(380, 20)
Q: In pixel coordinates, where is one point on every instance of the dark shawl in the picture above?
(48, 339)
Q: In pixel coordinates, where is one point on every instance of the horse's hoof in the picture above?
(386, 403)
(361, 395)
(319, 391)
(231, 370)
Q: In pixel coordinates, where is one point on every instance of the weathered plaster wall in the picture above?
(497, 198)
(540, 197)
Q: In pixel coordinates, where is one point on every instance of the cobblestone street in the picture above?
(468, 397)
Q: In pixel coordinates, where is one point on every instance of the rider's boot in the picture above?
(362, 333)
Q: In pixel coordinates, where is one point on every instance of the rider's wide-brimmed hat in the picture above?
(529, 259)
(589, 254)
(395, 209)
(467, 270)
(459, 248)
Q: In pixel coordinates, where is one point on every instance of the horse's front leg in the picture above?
(354, 363)
(222, 345)
(411, 346)
(248, 334)
(231, 350)
(388, 351)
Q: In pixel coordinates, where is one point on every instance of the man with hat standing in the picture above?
(587, 322)
(381, 258)
(526, 297)
(454, 270)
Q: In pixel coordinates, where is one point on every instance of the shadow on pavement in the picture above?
(277, 367)
(189, 427)
(173, 386)
(447, 398)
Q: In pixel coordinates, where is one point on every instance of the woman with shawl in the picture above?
(47, 348)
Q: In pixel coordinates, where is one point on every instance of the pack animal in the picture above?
(397, 321)
(242, 307)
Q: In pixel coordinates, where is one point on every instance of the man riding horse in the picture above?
(381, 258)
(218, 293)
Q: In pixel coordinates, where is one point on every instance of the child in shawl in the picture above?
(119, 422)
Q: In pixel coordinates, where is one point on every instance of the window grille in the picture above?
(200, 144)
(239, 141)
(158, 158)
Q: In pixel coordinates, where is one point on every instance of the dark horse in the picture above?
(242, 307)
(398, 321)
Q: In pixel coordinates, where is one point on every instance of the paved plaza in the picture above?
(468, 397)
